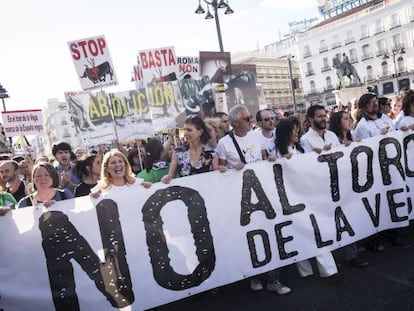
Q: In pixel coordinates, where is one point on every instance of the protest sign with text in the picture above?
(158, 65)
(22, 122)
(91, 116)
(93, 63)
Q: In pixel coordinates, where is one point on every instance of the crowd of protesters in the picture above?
(219, 142)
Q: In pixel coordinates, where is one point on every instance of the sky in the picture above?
(35, 62)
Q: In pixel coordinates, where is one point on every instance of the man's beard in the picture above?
(320, 125)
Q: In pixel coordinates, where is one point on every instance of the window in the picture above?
(353, 58)
(401, 64)
(312, 86)
(397, 41)
(309, 69)
(384, 67)
(395, 21)
(379, 26)
(381, 47)
(336, 42)
(328, 83)
(307, 51)
(366, 52)
(364, 32)
(370, 73)
(323, 47)
(349, 37)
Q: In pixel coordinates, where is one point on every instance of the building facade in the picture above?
(274, 75)
(377, 37)
(58, 126)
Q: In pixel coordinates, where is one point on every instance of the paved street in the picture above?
(386, 284)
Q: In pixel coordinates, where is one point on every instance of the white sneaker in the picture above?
(278, 287)
(256, 284)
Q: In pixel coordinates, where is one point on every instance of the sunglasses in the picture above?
(248, 118)
(268, 119)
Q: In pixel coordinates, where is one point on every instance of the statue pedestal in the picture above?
(345, 95)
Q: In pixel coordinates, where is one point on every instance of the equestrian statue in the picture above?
(345, 69)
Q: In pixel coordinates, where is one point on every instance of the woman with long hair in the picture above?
(213, 125)
(116, 172)
(341, 125)
(287, 138)
(407, 121)
(46, 183)
(154, 166)
(89, 167)
(194, 157)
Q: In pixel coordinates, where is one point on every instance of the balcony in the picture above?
(385, 75)
(370, 79)
(379, 30)
(381, 52)
(349, 40)
(366, 56)
(328, 88)
(353, 60)
(336, 45)
(312, 92)
(395, 25)
(364, 36)
(325, 68)
(307, 54)
(398, 47)
(323, 49)
(310, 72)
(411, 18)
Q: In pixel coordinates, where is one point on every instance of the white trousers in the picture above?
(326, 266)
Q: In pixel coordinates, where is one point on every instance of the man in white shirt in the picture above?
(318, 138)
(242, 145)
(266, 120)
(373, 122)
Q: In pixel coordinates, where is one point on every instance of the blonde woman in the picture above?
(116, 174)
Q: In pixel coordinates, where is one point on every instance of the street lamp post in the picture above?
(395, 51)
(292, 82)
(215, 4)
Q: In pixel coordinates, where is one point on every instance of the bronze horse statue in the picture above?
(345, 69)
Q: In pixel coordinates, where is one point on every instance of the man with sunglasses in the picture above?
(242, 145)
(266, 120)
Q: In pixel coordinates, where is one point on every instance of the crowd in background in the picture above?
(218, 142)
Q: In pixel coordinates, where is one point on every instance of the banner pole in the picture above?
(112, 117)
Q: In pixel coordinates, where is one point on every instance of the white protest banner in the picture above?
(158, 65)
(131, 114)
(93, 63)
(91, 116)
(135, 248)
(22, 122)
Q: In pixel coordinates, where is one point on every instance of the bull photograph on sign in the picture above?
(98, 73)
(240, 87)
(93, 63)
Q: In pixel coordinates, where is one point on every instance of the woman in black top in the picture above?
(89, 166)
